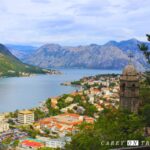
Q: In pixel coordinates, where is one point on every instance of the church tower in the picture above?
(129, 89)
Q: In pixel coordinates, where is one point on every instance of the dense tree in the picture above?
(38, 114)
(146, 114)
(48, 103)
(90, 110)
(14, 114)
(113, 125)
(30, 130)
(32, 133)
(146, 51)
(145, 88)
(51, 111)
(47, 132)
(61, 102)
(111, 85)
(15, 143)
(7, 141)
(77, 99)
(86, 86)
(144, 94)
(76, 82)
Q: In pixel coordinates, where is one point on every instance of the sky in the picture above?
(73, 22)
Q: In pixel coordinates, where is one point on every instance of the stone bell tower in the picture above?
(129, 89)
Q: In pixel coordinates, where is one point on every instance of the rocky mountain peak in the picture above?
(112, 55)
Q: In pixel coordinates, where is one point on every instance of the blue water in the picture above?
(27, 92)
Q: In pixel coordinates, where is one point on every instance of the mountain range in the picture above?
(112, 55)
(21, 51)
(10, 65)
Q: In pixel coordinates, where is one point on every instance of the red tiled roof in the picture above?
(33, 144)
(67, 119)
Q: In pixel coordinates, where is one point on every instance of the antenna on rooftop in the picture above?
(130, 55)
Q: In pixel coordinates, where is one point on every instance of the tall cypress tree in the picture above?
(146, 51)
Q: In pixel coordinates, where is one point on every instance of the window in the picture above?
(123, 87)
(133, 88)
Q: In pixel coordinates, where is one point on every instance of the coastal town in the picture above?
(55, 120)
(74, 75)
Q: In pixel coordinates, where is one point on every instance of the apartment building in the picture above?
(26, 117)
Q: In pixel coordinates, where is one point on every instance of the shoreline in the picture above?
(24, 74)
(60, 82)
(68, 83)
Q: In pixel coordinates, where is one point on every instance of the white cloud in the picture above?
(72, 22)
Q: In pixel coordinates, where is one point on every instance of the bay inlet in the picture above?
(28, 92)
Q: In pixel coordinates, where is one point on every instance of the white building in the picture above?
(58, 143)
(55, 143)
(68, 99)
(2, 117)
(70, 107)
(91, 98)
(3, 126)
(26, 117)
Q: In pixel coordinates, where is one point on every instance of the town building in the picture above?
(54, 101)
(2, 117)
(58, 142)
(68, 100)
(4, 126)
(55, 143)
(129, 89)
(64, 123)
(26, 117)
(70, 107)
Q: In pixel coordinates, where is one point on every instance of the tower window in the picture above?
(133, 87)
(123, 87)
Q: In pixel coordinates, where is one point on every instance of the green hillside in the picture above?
(11, 66)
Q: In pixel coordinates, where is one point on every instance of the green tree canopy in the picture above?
(113, 125)
(146, 51)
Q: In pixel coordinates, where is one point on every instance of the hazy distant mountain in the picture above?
(21, 51)
(127, 45)
(112, 55)
(12, 66)
(131, 46)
